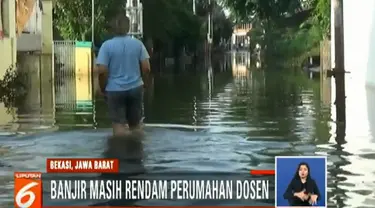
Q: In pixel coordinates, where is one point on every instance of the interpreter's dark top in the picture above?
(297, 186)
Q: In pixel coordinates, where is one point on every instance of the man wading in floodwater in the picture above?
(120, 78)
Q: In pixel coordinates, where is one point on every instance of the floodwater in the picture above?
(220, 118)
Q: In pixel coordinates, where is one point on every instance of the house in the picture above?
(26, 33)
(7, 35)
(239, 36)
(25, 26)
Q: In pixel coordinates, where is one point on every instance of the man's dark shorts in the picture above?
(125, 107)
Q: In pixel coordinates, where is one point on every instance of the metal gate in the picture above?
(64, 74)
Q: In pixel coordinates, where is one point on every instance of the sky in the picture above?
(226, 12)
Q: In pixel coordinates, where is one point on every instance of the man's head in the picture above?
(120, 24)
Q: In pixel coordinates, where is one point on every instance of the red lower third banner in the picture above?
(33, 190)
(82, 165)
(178, 207)
(262, 172)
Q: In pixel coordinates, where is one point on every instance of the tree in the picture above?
(264, 9)
(223, 26)
(13, 88)
(168, 23)
(73, 18)
(288, 29)
(322, 17)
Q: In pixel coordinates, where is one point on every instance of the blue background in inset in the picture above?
(285, 170)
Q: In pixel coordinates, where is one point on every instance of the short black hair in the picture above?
(120, 24)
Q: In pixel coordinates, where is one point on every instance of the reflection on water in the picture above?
(74, 109)
(225, 117)
(370, 92)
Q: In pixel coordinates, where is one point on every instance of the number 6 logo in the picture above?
(23, 192)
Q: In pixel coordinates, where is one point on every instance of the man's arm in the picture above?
(145, 65)
(102, 63)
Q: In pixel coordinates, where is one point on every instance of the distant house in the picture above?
(239, 36)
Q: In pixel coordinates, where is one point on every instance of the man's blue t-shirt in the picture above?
(122, 56)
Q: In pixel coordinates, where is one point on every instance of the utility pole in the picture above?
(92, 21)
(93, 56)
(209, 27)
(194, 7)
(339, 70)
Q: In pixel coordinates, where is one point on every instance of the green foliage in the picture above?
(73, 18)
(165, 22)
(256, 35)
(263, 9)
(172, 22)
(12, 88)
(223, 26)
(289, 31)
(322, 17)
(295, 45)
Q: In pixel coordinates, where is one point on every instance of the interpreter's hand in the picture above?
(306, 197)
(301, 195)
(313, 199)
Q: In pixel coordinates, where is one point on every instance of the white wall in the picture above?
(359, 34)
(370, 75)
(9, 43)
(359, 39)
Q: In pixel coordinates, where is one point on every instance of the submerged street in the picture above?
(224, 117)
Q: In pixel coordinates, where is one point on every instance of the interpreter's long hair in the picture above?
(296, 175)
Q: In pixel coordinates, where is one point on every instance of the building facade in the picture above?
(240, 39)
(26, 39)
(8, 39)
(26, 27)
